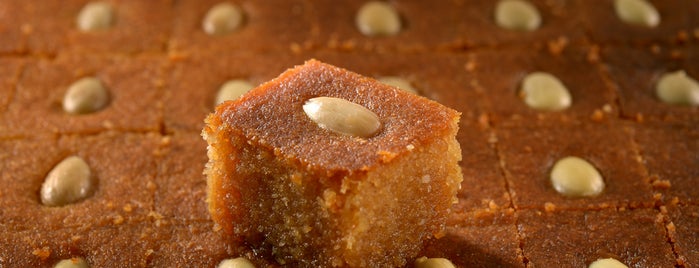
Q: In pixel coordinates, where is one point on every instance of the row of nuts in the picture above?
(378, 18)
(540, 90)
(544, 91)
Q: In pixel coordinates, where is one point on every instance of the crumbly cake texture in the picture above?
(312, 197)
(163, 73)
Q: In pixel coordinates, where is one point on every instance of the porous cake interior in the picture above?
(375, 217)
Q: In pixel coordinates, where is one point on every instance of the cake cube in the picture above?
(308, 196)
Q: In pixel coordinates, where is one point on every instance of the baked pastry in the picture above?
(163, 72)
(338, 186)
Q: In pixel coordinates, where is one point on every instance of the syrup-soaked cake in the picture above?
(133, 89)
(312, 187)
(50, 28)
(578, 122)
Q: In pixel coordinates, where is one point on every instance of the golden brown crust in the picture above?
(280, 123)
(308, 196)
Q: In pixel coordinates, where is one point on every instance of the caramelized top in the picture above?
(272, 116)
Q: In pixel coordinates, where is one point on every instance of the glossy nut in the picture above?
(543, 91)
(678, 88)
(236, 263)
(342, 116)
(67, 182)
(222, 18)
(72, 263)
(574, 177)
(607, 263)
(378, 18)
(95, 16)
(85, 96)
(424, 262)
(398, 82)
(518, 15)
(637, 12)
(232, 90)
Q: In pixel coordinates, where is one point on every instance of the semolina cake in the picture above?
(479, 239)
(670, 166)
(589, 100)
(311, 193)
(637, 93)
(50, 28)
(202, 70)
(578, 128)
(532, 152)
(592, 235)
(682, 229)
(133, 91)
(263, 26)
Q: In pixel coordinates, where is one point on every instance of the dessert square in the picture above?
(501, 75)
(529, 154)
(51, 27)
(600, 20)
(269, 25)
(637, 89)
(445, 79)
(280, 182)
(134, 89)
(121, 165)
(684, 233)
(195, 81)
(671, 155)
(479, 240)
(636, 238)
